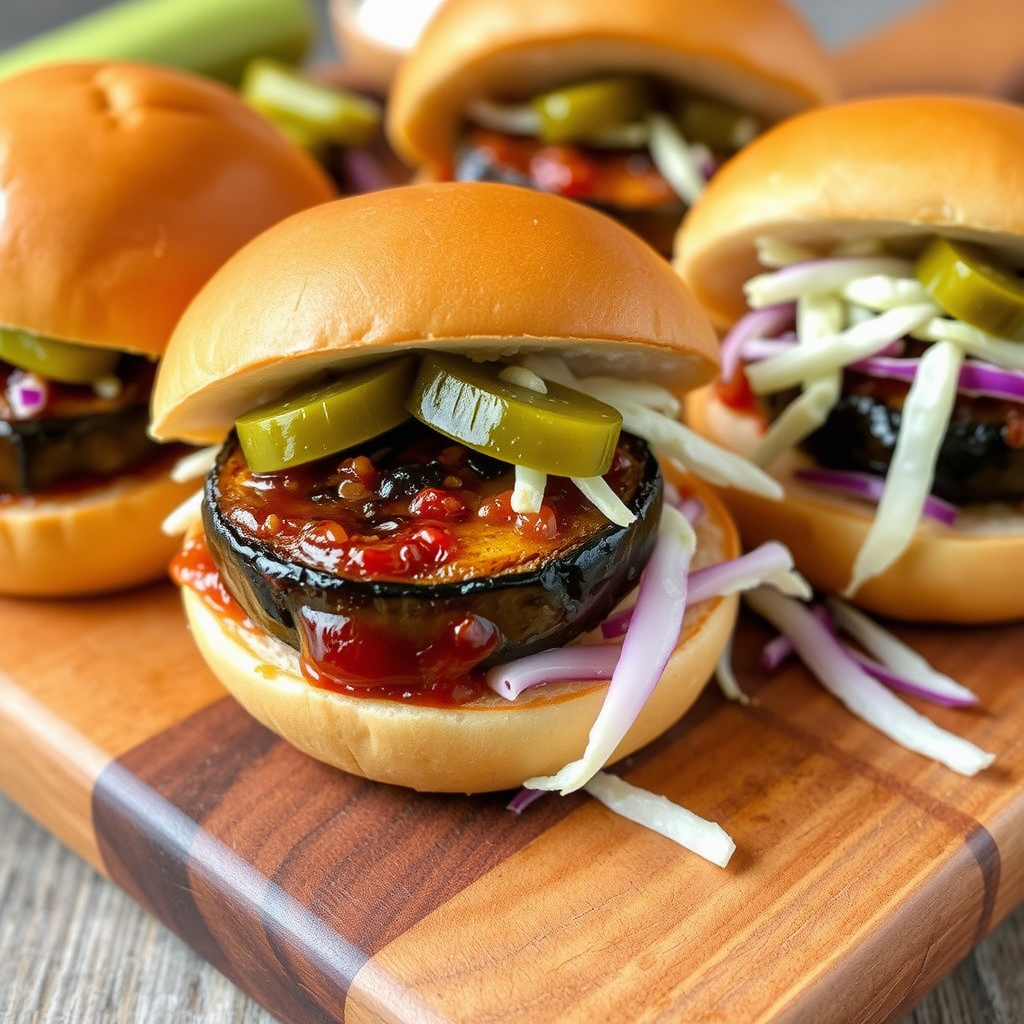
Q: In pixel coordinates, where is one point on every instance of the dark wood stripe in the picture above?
(332, 867)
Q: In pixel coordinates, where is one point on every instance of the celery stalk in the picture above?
(211, 37)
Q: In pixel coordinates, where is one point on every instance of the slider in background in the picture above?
(629, 107)
(125, 186)
(877, 369)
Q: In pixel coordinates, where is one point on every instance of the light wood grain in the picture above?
(74, 949)
(65, 734)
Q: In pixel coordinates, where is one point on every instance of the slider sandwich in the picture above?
(445, 466)
(122, 188)
(866, 263)
(630, 107)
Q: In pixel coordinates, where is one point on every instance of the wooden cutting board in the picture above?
(863, 873)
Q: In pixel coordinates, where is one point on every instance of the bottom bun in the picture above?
(968, 573)
(92, 541)
(488, 744)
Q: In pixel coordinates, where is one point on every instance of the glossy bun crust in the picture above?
(757, 53)
(479, 268)
(894, 167)
(946, 574)
(123, 187)
(489, 744)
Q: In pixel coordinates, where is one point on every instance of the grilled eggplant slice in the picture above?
(981, 458)
(37, 454)
(382, 578)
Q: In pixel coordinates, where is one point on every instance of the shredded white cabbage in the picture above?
(881, 302)
(528, 492)
(710, 462)
(864, 339)
(818, 277)
(108, 387)
(698, 835)
(611, 391)
(726, 677)
(511, 118)
(195, 465)
(974, 341)
(715, 464)
(818, 317)
(894, 653)
(864, 696)
(678, 160)
(599, 493)
(177, 523)
(777, 252)
(879, 292)
(521, 377)
(908, 482)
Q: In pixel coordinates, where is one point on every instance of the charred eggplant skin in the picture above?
(981, 458)
(532, 610)
(37, 454)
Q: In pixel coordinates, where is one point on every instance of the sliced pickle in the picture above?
(590, 108)
(312, 423)
(717, 125)
(62, 361)
(973, 286)
(308, 112)
(563, 432)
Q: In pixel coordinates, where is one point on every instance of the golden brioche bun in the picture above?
(489, 744)
(90, 541)
(968, 573)
(889, 168)
(123, 187)
(758, 54)
(485, 269)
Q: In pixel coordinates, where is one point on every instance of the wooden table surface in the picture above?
(75, 949)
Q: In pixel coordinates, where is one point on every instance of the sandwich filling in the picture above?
(413, 522)
(70, 416)
(637, 149)
(898, 370)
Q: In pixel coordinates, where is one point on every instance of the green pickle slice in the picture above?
(717, 125)
(563, 432)
(312, 423)
(307, 111)
(973, 286)
(577, 111)
(61, 361)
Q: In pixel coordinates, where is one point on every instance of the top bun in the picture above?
(123, 187)
(758, 54)
(487, 269)
(890, 168)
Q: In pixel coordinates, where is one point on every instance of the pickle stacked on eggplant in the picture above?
(981, 454)
(398, 565)
(628, 145)
(69, 414)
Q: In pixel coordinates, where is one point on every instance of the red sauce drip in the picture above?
(620, 177)
(193, 567)
(736, 393)
(349, 654)
(1013, 432)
